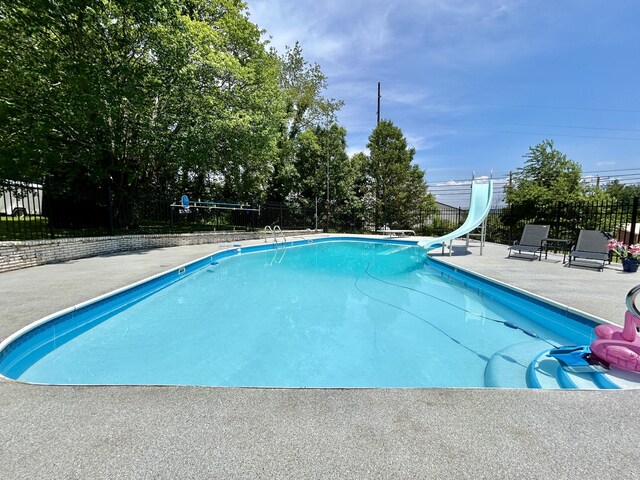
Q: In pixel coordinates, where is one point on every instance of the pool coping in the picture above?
(594, 319)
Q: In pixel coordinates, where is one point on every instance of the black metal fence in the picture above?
(21, 211)
(31, 211)
(505, 224)
(618, 218)
(38, 210)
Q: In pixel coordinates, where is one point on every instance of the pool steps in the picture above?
(527, 364)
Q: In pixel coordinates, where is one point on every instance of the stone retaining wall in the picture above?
(17, 255)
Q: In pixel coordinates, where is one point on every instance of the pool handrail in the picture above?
(277, 228)
(631, 300)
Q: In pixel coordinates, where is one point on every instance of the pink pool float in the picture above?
(620, 346)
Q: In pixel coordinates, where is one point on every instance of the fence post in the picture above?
(46, 191)
(634, 216)
(171, 219)
(511, 224)
(110, 205)
(557, 234)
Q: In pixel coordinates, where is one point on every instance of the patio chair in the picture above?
(591, 246)
(531, 241)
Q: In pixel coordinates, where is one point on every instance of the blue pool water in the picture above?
(321, 314)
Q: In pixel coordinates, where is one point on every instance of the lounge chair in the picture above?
(591, 246)
(532, 240)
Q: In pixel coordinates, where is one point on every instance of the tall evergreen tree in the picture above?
(326, 172)
(398, 186)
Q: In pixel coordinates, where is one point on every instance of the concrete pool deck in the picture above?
(192, 432)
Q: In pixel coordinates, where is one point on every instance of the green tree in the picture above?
(623, 193)
(363, 201)
(398, 187)
(326, 172)
(548, 175)
(341, 176)
(302, 85)
(137, 96)
(306, 109)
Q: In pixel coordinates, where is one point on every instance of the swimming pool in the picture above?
(331, 313)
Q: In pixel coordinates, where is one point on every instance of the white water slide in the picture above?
(479, 207)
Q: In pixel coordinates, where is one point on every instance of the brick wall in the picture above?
(17, 255)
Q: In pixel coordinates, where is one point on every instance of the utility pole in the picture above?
(378, 104)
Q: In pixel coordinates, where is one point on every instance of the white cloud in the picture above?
(419, 142)
(357, 43)
(452, 183)
(443, 62)
(445, 30)
(407, 96)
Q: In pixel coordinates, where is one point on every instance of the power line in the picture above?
(566, 126)
(542, 134)
(559, 107)
(618, 177)
(468, 180)
(460, 181)
(612, 178)
(617, 170)
(459, 189)
(465, 190)
(623, 177)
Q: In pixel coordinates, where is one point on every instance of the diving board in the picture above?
(479, 207)
(186, 204)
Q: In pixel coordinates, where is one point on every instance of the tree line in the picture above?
(155, 98)
(162, 97)
(548, 175)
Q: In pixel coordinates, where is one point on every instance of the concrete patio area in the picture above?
(196, 432)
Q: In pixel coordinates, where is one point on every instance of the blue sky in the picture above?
(472, 84)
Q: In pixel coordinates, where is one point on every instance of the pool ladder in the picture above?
(274, 232)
